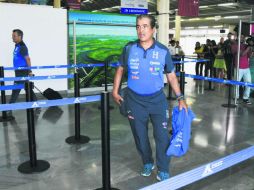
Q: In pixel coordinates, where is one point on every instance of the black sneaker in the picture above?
(247, 101)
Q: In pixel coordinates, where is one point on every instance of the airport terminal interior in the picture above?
(217, 131)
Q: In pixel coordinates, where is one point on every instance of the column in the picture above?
(177, 27)
(252, 13)
(163, 21)
(57, 3)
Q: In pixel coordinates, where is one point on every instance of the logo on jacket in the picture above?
(155, 54)
(134, 77)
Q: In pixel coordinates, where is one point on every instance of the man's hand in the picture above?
(117, 98)
(182, 104)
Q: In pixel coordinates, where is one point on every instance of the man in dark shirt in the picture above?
(228, 56)
(20, 59)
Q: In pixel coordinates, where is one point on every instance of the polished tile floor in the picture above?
(216, 132)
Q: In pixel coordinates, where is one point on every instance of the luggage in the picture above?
(50, 94)
(52, 114)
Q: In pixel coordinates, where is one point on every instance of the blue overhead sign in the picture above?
(133, 11)
(134, 7)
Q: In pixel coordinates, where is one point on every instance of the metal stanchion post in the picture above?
(105, 142)
(77, 139)
(33, 165)
(107, 61)
(209, 82)
(182, 81)
(4, 116)
(229, 105)
(182, 67)
(182, 63)
(170, 93)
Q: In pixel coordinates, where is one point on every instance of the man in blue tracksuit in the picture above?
(20, 59)
(146, 60)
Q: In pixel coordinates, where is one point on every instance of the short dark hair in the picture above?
(150, 17)
(19, 32)
(172, 42)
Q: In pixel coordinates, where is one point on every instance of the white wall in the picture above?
(45, 34)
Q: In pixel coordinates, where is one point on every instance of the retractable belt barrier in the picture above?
(56, 66)
(12, 87)
(191, 61)
(81, 65)
(48, 103)
(36, 77)
(203, 171)
(233, 82)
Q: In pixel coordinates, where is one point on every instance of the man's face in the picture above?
(16, 38)
(144, 30)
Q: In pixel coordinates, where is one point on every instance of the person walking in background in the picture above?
(20, 59)
(199, 65)
(208, 54)
(146, 60)
(228, 56)
(179, 54)
(219, 63)
(244, 66)
(250, 42)
(172, 50)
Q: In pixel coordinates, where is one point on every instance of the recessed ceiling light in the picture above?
(226, 4)
(218, 26)
(87, 1)
(203, 27)
(230, 17)
(194, 19)
(203, 7)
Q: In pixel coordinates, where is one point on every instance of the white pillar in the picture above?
(177, 27)
(163, 21)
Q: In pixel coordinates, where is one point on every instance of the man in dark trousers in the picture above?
(228, 56)
(20, 59)
(146, 60)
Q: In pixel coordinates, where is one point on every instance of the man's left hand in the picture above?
(182, 104)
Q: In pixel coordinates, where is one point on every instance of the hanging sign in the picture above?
(134, 7)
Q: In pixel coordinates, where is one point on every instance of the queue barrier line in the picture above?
(233, 82)
(36, 77)
(48, 103)
(56, 66)
(81, 65)
(203, 171)
(191, 61)
(12, 87)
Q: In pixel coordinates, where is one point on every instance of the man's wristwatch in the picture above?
(179, 97)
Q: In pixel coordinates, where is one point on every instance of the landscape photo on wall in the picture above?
(100, 38)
